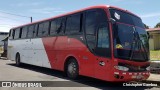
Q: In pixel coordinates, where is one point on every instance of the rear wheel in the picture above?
(72, 69)
(18, 63)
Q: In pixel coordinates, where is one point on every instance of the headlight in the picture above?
(148, 68)
(122, 68)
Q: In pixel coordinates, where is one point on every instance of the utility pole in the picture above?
(31, 19)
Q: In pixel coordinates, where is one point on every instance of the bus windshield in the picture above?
(130, 37)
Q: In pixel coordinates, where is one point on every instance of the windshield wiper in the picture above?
(133, 43)
(137, 42)
(144, 49)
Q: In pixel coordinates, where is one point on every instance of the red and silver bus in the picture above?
(102, 42)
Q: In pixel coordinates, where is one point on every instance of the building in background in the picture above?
(154, 41)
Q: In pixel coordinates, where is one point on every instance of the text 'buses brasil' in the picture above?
(102, 42)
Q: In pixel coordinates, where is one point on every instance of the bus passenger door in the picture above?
(103, 52)
(102, 48)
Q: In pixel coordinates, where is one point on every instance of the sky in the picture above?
(148, 10)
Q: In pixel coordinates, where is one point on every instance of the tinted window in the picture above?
(60, 25)
(24, 32)
(121, 17)
(45, 29)
(103, 37)
(97, 32)
(17, 33)
(10, 34)
(73, 24)
(30, 31)
(40, 29)
(103, 44)
(20, 33)
(90, 22)
(137, 22)
(90, 27)
(13, 33)
(53, 28)
(35, 32)
(127, 18)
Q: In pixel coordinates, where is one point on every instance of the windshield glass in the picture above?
(130, 37)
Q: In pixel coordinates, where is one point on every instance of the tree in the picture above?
(158, 25)
(146, 26)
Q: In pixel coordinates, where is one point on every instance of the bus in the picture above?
(102, 42)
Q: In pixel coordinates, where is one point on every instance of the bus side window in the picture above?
(103, 42)
(35, 32)
(73, 24)
(24, 32)
(53, 27)
(60, 25)
(20, 33)
(13, 32)
(17, 33)
(45, 31)
(10, 34)
(30, 31)
(40, 29)
(90, 27)
(103, 37)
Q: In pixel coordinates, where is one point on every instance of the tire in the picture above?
(72, 69)
(18, 63)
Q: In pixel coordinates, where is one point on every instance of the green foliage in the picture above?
(146, 26)
(158, 25)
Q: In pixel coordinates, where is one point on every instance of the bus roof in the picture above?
(91, 7)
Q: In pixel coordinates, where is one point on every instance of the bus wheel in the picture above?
(72, 69)
(18, 60)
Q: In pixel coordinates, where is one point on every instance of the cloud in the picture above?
(150, 15)
(47, 10)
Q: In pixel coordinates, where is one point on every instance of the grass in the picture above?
(155, 55)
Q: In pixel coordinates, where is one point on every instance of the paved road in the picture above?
(9, 72)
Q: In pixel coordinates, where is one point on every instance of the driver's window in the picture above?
(103, 38)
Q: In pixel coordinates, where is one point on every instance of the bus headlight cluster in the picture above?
(122, 68)
(148, 68)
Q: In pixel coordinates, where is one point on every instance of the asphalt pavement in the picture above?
(52, 79)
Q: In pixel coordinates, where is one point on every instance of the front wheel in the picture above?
(18, 60)
(72, 69)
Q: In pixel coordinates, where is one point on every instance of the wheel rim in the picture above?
(72, 68)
